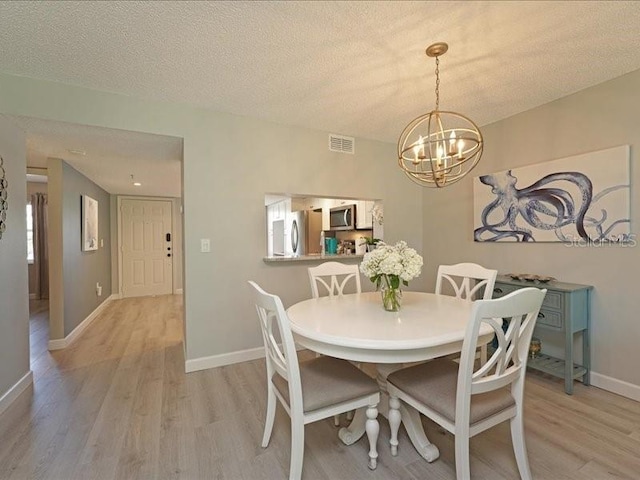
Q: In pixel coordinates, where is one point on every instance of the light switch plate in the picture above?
(205, 245)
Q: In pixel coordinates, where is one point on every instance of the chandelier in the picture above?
(439, 148)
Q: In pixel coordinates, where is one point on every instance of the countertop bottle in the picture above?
(322, 247)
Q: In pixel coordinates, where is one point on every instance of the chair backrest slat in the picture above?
(507, 364)
(272, 350)
(464, 287)
(327, 275)
(281, 358)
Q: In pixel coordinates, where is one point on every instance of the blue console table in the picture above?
(566, 308)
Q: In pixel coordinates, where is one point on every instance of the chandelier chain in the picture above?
(437, 83)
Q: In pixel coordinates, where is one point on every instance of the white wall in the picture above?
(230, 162)
(14, 293)
(594, 119)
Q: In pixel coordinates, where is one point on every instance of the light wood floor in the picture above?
(118, 405)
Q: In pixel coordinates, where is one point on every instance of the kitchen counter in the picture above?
(312, 258)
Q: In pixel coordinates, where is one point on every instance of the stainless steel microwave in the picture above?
(342, 218)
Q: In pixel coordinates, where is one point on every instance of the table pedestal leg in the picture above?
(413, 426)
(356, 428)
(410, 419)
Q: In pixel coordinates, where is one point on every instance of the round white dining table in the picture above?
(356, 327)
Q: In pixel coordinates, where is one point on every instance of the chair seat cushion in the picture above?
(435, 383)
(328, 381)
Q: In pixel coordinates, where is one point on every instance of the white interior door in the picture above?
(146, 250)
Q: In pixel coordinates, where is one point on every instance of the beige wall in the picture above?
(230, 162)
(82, 270)
(14, 302)
(225, 192)
(35, 187)
(597, 118)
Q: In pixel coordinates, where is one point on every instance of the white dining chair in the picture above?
(468, 281)
(333, 277)
(310, 391)
(465, 402)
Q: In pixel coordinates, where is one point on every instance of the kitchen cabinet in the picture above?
(313, 203)
(299, 204)
(364, 217)
(327, 205)
(276, 211)
(339, 202)
(566, 309)
(276, 227)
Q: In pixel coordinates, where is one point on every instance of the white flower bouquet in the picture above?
(388, 266)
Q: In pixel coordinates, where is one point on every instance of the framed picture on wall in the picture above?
(89, 223)
(583, 199)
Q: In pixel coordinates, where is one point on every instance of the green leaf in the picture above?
(405, 283)
(395, 281)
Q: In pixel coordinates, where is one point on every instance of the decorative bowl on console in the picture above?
(528, 277)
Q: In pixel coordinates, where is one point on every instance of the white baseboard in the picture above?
(116, 296)
(32, 296)
(178, 291)
(213, 361)
(614, 385)
(58, 344)
(15, 391)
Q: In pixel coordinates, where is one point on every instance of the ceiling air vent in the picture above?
(342, 144)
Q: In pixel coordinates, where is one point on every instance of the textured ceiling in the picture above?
(355, 68)
(108, 157)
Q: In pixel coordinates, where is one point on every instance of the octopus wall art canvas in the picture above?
(583, 198)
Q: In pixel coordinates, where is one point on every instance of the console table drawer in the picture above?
(552, 300)
(550, 318)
